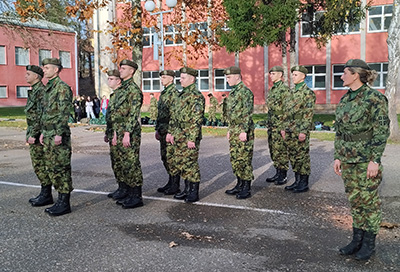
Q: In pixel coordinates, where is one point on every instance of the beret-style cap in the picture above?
(233, 70)
(188, 70)
(129, 63)
(299, 68)
(167, 73)
(276, 69)
(53, 61)
(35, 69)
(357, 63)
(113, 72)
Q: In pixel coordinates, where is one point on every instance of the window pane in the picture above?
(354, 28)
(308, 81)
(375, 10)
(320, 69)
(384, 80)
(305, 29)
(387, 22)
(156, 85)
(147, 85)
(377, 82)
(3, 92)
(44, 54)
(388, 9)
(219, 84)
(385, 67)
(2, 55)
(169, 39)
(375, 23)
(204, 73)
(310, 69)
(219, 73)
(178, 84)
(155, 74)
(376, 67)
(65, 58)
(338, 68)
(146, 74)
(146, 30)
(204, 84)
(146, 40)
(337, 82)
(22, 92)
(21, 56)
(319, 82)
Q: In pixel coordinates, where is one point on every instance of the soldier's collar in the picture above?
(277, 83)
(299, 85)
(53, 79)
(37, 83)
(190, 86)
(353, 94)
(126, 80)
(234, 86)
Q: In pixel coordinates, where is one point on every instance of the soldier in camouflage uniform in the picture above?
(33, 110)
(277, 149)
(56, 135)
(153, 109)
(297, 123)
(240, 132)
(362, 130)
(125, 124)
(212, 110)
(184, 135)
(223, 109)
(167, 99)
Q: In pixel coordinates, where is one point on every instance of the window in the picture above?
(350, 29)
(220, 83)
(65, 58)
(177, 80)
(172, 34)
(379, 18)
(44, 54)
(337, 72)
(127, 38)
(3, 92)
(306, 28)
(22, 91)
(382, 70)
(199, 29)
(148, 36)
(21, 56)
(316, 77)
(202, 80)
(151, 81)
(2, 54)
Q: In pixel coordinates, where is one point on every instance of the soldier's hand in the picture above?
(106, 139)
(337, 167)
(302, 137)
(228, 135)
(157, 135)
(170, 138)
(31, 140)
(191, 145)
(126, 141)
(372, 169)
(283, 134)
(41, 139)
(243, 136)
(57, 140)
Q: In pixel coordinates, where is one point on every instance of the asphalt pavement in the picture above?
(274, 230)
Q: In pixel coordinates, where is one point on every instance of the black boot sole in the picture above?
(45, 203)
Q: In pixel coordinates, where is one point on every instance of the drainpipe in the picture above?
(76, 64)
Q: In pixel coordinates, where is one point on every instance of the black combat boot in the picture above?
(237, 188)
(44, 198)
(274, 178)
(61, 207)
(245, 192)
(166, 186)
(303, 185)
(282, 179)
(193, 195)
(174, 187)
(367, 247)
(134, 198)
(122, 192)
(182, 195)
(355, 244)
(295, 183)
(111, 195)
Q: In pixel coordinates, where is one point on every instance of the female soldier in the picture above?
(362, 129)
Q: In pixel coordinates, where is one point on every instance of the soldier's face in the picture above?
(348, 78)
(31, 77)
(166, 80)
(187, 79)
(275, 76)
(50, 71)
(113, 82)
(298, 77)
(126, 71)
(233, 79)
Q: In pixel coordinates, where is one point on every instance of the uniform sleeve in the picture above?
(304, 124)
(196, 119)
(64, 107)
(133, 105)
(242, 112)
(283, 95)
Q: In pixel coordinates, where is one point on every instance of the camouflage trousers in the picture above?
(241, 155)
(58, 163)
(363, 196)
(184, 161)
(38, 163)
(115, 164)
(212, 115)
(299, 153)
(163, 151)
(277, 149)
(128, 167)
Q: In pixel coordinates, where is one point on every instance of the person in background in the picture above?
(104, 105)
(89, 109)
(153, 109)
(96, 106)
(212, 110)
(78, 109)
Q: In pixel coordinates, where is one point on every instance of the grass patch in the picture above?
(17, 124)
(12, 112)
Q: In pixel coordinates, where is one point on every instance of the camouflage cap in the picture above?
(35, 69)
(188, 70)
(53, 61)
(233, 70)
(357, 63)
(113, 72)
(276, 69)
(299, 68)
(167, 73)
(129, 63)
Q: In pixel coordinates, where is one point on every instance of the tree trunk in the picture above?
(137, 52)
(393, 42)
(292, 51)
(284, 56)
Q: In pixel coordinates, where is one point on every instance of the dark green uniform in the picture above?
(362, 129)
(224, 109)
(33, 112)
(57, 106)
(240, 104)
(212, 110)
(153, 108)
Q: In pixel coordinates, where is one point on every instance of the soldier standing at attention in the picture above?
(212, 110)
(125, 121)
(297, 123)
(240, 132)
(33, 77)
(56, 135)
(153, 109)
(223, 108)
(362, 130)
(167, 99)
(114, 82)
(277, 149)
(184, 135)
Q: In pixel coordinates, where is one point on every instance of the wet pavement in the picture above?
(273, 230)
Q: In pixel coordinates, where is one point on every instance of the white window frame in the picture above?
(203, 77)
(348, 32)
(3, 88)
(3, 58)
(221, 77)
(154, 76)
(382, 16)
(381, 75)
(149, 35)
(339, 74)
(23, 89)
(21, 56)
(312, 74)
(303, 23)
(176, 30)
(41, 57)
(64, 58)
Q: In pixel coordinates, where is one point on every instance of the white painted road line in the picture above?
(218, 205)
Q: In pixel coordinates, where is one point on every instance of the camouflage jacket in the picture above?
(223, 106)
(362, 126)
(33, 110)
(187, 115)
(240, 104)
(213, 103)
(276, 99)
(298, 110)
(167, 98)
(109, 112)
(153, 108)
(57, 107)
(126, 108)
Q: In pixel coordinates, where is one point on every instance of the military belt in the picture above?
(364, 136)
